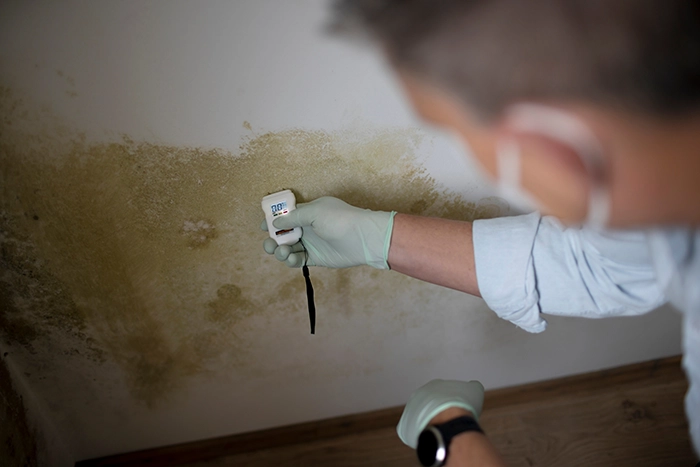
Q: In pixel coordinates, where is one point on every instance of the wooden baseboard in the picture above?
(197, 451)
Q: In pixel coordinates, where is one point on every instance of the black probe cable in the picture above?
(309, 292)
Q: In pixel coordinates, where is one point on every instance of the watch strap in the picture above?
(438, 438)
(456, 426)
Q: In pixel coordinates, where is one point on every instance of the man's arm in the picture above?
(522, 266)
(338, 235)
(434, 250)
(527, 265)
(531, 265)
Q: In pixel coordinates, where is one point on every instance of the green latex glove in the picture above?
(335, 235)
(433, 398)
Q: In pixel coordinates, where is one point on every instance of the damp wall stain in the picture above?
(18, 443)
(148, 256)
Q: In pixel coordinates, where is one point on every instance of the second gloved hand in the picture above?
(431, 399)
(335, 235)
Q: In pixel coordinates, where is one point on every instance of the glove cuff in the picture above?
(447, 405)
(387, 239)
(444, 406)
(410, 437)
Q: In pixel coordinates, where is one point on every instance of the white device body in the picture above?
(276, 205)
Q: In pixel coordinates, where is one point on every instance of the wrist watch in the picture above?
(434, 441)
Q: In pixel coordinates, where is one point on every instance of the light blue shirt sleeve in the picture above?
(529, 265)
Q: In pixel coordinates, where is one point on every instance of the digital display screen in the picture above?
(279, 209)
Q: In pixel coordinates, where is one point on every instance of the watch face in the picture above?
(431, 449)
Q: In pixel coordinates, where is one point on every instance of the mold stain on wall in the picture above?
(18, 443)
(148, 256)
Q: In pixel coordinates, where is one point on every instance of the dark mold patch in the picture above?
(18, 445)
(150, 256)
(229, 305)
(33, 302)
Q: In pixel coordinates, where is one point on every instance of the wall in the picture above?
(27, 437)
(137, 139)
(19, 446)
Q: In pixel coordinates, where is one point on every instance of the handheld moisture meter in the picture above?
(280, 204)
(276, 205)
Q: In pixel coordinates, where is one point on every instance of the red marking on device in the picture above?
(283, 232)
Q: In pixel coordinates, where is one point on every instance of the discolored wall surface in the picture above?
(148, 256)
(136, 141)
(18, 445)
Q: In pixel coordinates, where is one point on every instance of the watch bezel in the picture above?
(441, 450)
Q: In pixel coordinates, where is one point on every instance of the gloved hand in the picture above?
(433, 398)
(335, 235)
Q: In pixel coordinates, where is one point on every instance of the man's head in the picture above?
(628, 69)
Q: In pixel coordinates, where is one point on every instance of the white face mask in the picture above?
(567, 129)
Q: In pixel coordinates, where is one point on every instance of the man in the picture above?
(589, 110)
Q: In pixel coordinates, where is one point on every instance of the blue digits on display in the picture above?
(278, 208)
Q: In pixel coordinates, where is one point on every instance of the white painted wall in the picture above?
(190, 73)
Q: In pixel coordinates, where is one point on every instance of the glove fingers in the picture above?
(296, 260)
(283, 252)
(297, 247)
(263, 226)
(269, 245)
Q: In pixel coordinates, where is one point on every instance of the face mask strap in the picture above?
(598, 206)
(508, 161)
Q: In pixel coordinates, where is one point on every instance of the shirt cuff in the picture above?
(505, 271)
